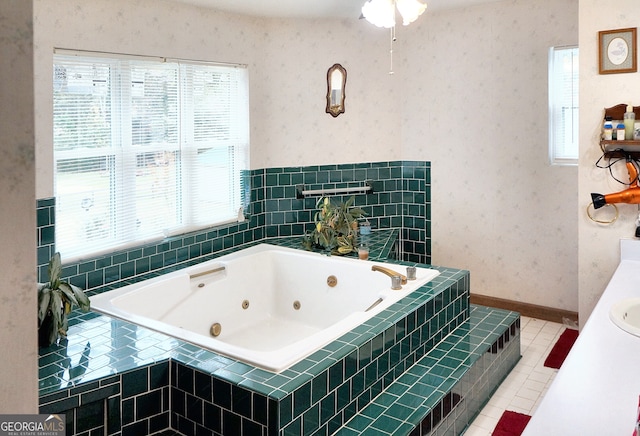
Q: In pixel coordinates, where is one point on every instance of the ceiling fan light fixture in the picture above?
(410, 10)
(380, 13)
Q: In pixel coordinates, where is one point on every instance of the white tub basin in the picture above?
(266, 305)
(626, 315)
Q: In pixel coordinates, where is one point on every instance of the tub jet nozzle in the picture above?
(215, 329)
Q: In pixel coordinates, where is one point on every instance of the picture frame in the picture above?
(617, 51)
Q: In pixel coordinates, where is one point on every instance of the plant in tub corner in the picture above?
(55, 300)
(336, 227)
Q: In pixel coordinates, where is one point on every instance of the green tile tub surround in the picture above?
(401, 188)
(321, 392)
(401, 200)
(467, 367)
(448, 387)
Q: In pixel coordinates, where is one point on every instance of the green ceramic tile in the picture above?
(387, 424)
(400, 412)
(311, 420)
(373, 410)
(343, 396)
(294, 429)
(386, 399)
(411, 400)
(346, 431)
(327, 407)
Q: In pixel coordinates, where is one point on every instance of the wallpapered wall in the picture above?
(599, 245)
(475, 105)
(468, 94)
(288, 62)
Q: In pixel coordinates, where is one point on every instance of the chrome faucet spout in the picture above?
(390, 273)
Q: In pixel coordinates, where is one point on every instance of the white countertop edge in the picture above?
(596, 390)
(629, 249)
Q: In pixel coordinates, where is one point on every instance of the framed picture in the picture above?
(617, 51)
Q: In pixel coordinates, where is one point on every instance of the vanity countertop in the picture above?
(596, 390)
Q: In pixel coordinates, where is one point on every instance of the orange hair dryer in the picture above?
(630, 195)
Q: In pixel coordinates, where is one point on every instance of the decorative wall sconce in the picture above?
(336, 84)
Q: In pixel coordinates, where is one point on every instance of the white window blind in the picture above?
(145, 148)
(563, 105)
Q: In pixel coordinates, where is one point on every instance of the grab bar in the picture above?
(366, 188)
(204, 273)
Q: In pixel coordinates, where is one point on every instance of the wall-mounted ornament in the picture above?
(336, 84)
(617, 51)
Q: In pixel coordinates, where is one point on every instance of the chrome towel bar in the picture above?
(367, 188)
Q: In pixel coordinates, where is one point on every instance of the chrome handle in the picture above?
(204, 273)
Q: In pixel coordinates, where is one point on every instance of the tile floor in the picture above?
(525, 386)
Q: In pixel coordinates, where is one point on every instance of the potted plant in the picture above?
(336, 227)
(55, 300)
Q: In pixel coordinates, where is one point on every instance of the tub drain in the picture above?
(215, 329)
(296, 305)
(245, 304)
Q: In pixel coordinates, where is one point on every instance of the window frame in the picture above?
(121, 142)
(556, 157)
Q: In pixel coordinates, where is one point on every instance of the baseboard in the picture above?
(526, 309)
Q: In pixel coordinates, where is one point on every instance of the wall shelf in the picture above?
(617, 149)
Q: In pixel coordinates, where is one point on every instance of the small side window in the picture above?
(563, 105)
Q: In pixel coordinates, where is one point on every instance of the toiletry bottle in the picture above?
(608, 129)
(629, 121)
(620, 132)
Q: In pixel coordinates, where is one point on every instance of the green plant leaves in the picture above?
(56, 309)
(66, 290)
(55, 301)
(55, 268)
(335, 226)
(75, 296)
(44, 296)
(81, 298)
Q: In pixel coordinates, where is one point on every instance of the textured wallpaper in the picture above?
(296, 130)
(475, 105)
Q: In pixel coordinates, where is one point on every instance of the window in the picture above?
(145, 148)
(563, 105)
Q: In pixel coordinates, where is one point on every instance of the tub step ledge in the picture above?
(446, 389)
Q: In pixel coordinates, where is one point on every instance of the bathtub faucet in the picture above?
(396, 278)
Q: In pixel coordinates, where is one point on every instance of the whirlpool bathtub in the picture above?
(265, 305)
